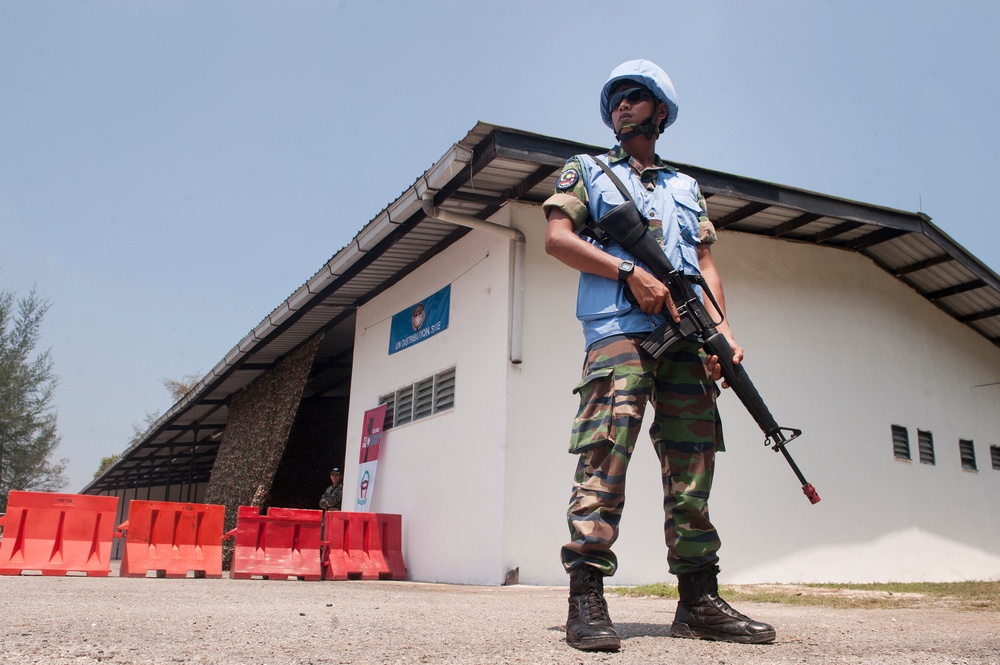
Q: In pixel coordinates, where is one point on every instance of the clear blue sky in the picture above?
(170, 171)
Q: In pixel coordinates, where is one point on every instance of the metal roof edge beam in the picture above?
(849, 210)
(954, 290)
(545, 150)
(922, 265)
(281, 312)
(444, 171)
(236, 353)
(318, 282)
(875, 238)
(974, 265)
(749, 189)
(515, 333)
(260, 332)
(219, 370)
(434, 179)
(741, 213)
(299, 298)
(979, 316)
(341, 263)
(376, 230)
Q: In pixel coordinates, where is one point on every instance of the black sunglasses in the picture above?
(633, 95)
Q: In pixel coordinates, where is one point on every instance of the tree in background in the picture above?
(28, 437)
(139, 429)
(178, 388)
(105, 464)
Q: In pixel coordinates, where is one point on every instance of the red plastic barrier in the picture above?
(344, 557)
(390, 529)
(284, 543)
(172, 539)
(365, 546)
(57, 534)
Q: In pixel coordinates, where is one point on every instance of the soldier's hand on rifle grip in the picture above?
(651, 294)
(715, 369)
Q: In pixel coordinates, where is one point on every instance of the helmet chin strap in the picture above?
(646, 128)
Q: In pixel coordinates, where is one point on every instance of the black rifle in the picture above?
(626, 225)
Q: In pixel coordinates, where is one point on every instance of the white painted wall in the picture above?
(541, 410)
(443, 474)
(836, 347)
(855, 352)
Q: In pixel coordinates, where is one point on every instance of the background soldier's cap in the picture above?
(336, 469)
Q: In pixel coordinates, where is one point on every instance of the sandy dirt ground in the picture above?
(128, 620)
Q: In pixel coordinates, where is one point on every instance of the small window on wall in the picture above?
(995, 457)
(968, 454)
(925, 445)
(419, 400)
(900, 442)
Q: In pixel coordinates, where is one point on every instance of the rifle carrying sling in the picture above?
(625, 215)
(627, 226)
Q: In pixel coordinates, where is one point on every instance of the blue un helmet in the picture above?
(649, 75)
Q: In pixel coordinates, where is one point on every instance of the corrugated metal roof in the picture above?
(490, 166)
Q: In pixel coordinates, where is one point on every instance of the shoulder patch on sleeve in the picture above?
(569, 177)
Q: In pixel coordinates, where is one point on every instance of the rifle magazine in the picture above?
(661, 339)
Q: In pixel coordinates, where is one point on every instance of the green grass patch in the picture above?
(658, 590)
(973, 596)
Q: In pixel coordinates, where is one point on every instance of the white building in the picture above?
(867, 328)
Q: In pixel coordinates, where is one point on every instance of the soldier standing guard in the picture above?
(333, 497)
(618, 303)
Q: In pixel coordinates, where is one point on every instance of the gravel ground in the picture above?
(128, 620)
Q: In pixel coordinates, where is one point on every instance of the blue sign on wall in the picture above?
(421, 321)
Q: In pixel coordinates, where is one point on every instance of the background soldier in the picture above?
(618, 303)
(334, 494)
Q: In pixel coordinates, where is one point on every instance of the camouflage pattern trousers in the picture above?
(619, 379)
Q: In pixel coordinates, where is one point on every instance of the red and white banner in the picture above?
(371, 442)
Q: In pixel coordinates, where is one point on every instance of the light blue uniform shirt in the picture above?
(601, 304)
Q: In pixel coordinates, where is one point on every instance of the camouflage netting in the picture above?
(260, 418)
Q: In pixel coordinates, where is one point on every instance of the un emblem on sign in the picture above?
(418, 316)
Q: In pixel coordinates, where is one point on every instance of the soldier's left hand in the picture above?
(715, 369)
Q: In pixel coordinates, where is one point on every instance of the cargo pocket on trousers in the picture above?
(594, 425)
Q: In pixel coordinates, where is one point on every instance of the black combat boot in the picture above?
(701, 614)
(589, 626)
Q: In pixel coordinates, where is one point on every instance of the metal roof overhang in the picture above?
(477, 176)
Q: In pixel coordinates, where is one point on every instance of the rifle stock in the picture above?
(625, 225)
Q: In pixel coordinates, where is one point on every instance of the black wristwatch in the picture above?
(625, 268)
